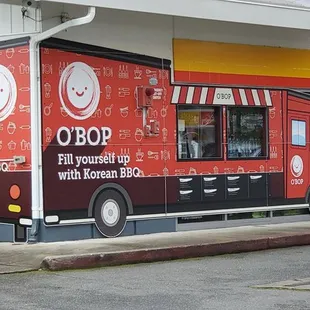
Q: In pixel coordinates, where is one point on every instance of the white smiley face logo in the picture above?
(297, 166)
(8, 93)
(79, 90)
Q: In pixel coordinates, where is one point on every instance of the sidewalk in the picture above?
(150, 248)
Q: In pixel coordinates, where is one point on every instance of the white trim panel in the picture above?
(25, 222)
(51, 219)
(194, 213)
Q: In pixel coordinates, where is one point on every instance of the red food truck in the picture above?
(119, 140)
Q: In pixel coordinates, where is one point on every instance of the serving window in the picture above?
(298, 132)
(199, 133)
(246, 132)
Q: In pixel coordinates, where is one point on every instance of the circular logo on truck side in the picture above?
(297, 166)
(8, 93)
(79, 90)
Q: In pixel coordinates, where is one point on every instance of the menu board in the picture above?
(236, 186)
(258, 185)
(189, 188)
(213, 187)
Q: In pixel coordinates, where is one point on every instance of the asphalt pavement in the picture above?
(224, 282)
(150, 248)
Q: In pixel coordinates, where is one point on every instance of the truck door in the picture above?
(297, 152)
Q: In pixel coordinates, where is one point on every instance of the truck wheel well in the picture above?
(115, 186)
(308, 196)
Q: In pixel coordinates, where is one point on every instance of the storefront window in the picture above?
(198, 132)
(246, 132)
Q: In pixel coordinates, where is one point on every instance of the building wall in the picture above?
(12, 23)
(291, 3)
(152, 34)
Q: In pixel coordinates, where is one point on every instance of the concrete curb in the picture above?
(22, 270)
(67, 262)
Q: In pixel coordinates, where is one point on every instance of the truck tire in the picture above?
(110, 212)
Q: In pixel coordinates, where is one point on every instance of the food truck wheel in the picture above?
(110, 213)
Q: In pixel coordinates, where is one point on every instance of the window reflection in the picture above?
(198, 132)
(246, 132)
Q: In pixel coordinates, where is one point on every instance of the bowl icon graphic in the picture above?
(297, 166)
(79, 90)
(8, 93)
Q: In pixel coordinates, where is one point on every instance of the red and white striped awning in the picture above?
(218, 95)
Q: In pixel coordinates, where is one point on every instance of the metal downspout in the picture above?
(35, 116)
